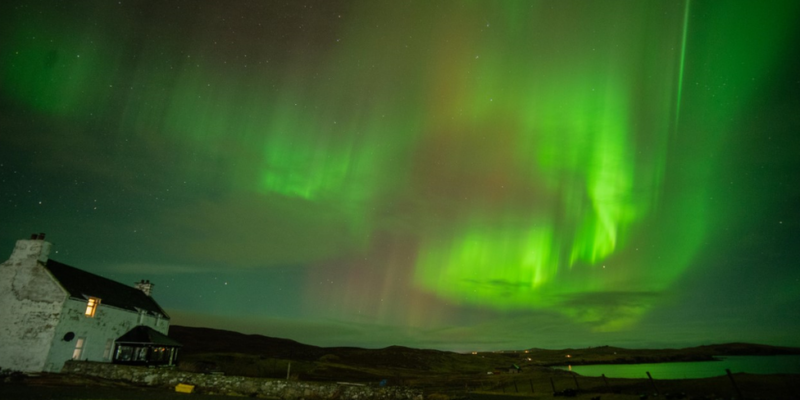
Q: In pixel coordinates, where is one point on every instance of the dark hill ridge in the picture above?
(207, 342)
(197, 341)
(619, 355)
(747, 349)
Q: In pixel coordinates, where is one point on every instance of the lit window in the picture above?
(91, 306)
(76, 354)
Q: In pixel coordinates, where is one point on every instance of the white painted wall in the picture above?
(108, 323)
(30, 307)
(36, 314)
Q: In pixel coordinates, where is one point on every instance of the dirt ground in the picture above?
(71, 387)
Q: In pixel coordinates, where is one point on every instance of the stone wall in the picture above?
(237, 385)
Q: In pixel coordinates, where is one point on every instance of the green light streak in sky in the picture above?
(683, 61)
(506, 263)
(599, 137)
(592, 166)
(583, 135)
(523, 147)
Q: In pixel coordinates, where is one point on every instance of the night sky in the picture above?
(461, 175)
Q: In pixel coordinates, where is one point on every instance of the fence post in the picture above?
(653, 382)
(733, 382)
(288, 370)
(553, 385)
(531, 382)
(516, 389)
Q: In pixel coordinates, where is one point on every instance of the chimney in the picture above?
(35, 248)
(145, 286)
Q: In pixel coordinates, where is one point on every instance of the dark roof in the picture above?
(147, 335)
(81, 284)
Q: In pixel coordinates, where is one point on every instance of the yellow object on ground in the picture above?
(184, 388)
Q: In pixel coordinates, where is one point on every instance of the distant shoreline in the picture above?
(644, 360)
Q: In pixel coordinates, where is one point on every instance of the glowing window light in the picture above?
(91, 307)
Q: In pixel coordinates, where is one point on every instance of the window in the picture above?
(91, 307)
(124, 353)
(107, 351)
(76, 354)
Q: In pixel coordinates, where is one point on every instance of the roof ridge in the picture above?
(80, 283)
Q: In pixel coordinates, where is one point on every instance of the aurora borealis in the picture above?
(448, 174)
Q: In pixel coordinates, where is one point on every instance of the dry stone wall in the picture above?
(237, 385)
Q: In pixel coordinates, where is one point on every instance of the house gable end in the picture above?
(31, 301)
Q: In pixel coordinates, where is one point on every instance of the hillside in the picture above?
(206, 349)
(207, 340)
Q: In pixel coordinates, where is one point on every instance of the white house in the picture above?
(51, 312)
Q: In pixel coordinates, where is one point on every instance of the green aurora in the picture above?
(516, 156)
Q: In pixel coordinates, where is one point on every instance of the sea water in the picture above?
(697, 369)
